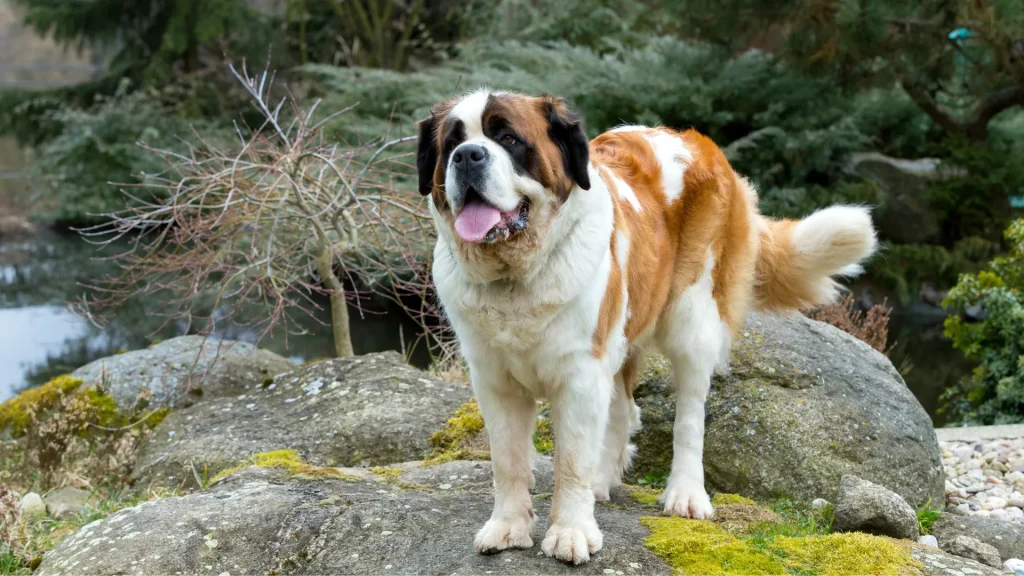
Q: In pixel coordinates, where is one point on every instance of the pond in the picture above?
(40, 337)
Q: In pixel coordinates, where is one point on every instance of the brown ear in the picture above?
(426, 154)
(565, 128)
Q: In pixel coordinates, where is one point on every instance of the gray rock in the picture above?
(182, 369)
(260, 521)
(935, 562)
(867, 507)
(928, 540)
(373, 409)
(31, 505)
(903, 212)
(967, 547)
(67, 500)
(805, 403)
(1006, 537)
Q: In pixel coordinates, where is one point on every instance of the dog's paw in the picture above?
(504, 534)
(573, 544)
(688, 501)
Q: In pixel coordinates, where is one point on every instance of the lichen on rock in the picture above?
(288, 460)
(17, 413)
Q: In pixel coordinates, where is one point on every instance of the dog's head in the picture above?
(498, 166)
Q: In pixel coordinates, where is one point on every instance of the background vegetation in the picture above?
(799, 93)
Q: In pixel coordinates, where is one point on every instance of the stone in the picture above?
(820, 504)
(67, 500)
(1015, 565)
(867, 507)
(904, 212)
(1006, 537)
(935, 562)
(181, 370)
(31, 505)
(928, 540)
(804, 404)
(373, 409)
(265, 522)
(967, 547)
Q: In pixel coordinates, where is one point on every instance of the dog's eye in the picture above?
(508, 139)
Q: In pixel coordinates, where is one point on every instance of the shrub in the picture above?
(871, 327)
(994, 393)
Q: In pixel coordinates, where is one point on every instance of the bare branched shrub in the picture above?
(267, 222)
(11, 530)
(872, 326)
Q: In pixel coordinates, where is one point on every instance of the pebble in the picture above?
(1015, 565)
(985, 478)
(32, 505)
(928, 540)
(819, 503)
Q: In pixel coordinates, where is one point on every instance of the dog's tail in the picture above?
(798, 258)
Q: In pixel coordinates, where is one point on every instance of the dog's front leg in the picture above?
(509, 413)
(579, 409)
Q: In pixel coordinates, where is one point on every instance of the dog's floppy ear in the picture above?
(426, 154)
(566, 131)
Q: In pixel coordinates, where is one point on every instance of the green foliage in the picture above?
(902, 268)
(994, 393)
(927, 516)
(98, 146)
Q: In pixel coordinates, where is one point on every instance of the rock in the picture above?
(16, 227)
(1006, 537)
(928, 540)
(1015, 565)
(820, 504)
(210, 368)
(935, 562)
(903, 213)
(31, 505)
(259, 521)
(67, 500)
(867, 507)
(967, 547)
(805, 403)
(374, 409)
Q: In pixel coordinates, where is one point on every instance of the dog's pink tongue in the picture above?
(476, 220)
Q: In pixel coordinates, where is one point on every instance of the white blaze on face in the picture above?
(500, 188)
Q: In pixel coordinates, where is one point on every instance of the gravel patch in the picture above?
(985, 477)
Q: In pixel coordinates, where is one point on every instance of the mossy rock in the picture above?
(804, 404)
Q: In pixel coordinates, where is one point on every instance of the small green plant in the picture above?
(655, 478)
(927, 516)
(994, 392)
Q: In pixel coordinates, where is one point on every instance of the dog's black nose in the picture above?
(470, 155)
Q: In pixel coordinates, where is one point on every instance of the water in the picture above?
(40, 337)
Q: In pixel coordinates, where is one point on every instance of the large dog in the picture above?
(561, 263)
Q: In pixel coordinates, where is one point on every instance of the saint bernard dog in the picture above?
(561, 263)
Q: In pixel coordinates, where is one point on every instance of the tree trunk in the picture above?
(339, 306)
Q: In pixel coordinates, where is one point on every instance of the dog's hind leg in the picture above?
(623, 421)
(695, 339)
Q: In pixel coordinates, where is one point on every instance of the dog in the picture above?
(561, 263)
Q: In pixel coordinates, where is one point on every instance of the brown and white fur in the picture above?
(641, 238)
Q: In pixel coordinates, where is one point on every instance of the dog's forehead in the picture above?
(476, 108)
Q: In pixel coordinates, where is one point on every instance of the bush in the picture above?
(902, 269)
(994, 393)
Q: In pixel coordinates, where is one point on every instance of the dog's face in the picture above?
(498, 166)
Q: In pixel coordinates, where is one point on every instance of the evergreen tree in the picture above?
(147, 38)
(960, 61)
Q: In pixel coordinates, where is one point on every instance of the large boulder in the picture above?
(804, 404)
(261, 521)
(373, 409)
(903, 213)
(409, 519)
(182, 369)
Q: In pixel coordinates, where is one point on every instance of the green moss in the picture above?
(154, 419)
(723, 499)
(288, 460)
(543, 438)
(850, 554)
(778, 547)
(643, 494)
(388, 473)
(16, 413)
(700, 547)
(453, 442)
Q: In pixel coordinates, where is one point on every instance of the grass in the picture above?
(927, 516)
(43, 533)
